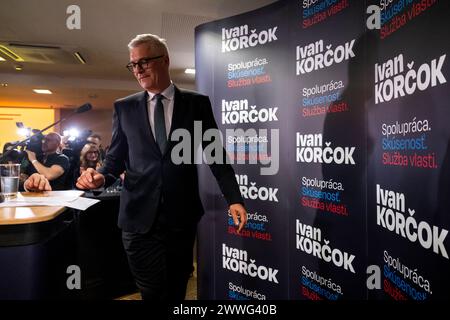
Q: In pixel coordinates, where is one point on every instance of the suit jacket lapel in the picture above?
(143, 110)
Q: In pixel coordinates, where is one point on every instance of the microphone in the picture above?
(85, 107)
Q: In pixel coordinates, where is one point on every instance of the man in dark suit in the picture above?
(160, 203)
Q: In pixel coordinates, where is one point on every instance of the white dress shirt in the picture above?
(168, 94)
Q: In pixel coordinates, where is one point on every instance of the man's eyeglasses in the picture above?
(143, 63)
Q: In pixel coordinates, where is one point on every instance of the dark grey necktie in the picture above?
(160, 124)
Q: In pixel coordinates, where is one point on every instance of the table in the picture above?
(24, 215)
(38, 244)
(36, 247)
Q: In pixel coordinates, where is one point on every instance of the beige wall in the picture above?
(32, 118)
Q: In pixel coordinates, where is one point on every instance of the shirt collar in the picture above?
(167, 93)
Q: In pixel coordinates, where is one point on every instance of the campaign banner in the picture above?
(332, 115)
(409, 162)
(328, 247)
(241, 67)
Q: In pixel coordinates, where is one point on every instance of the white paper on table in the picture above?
(10, 204)
(81, 203)
(55, 199)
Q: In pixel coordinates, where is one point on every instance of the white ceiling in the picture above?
(106, 28)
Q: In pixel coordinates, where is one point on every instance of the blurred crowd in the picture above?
(54, 161)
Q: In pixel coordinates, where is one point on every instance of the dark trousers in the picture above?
(161, 259)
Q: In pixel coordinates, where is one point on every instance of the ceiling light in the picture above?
(42, 91)
(7, 52)
(189, 71)
(2, 59)
(31, 46)
(79, 57)
(18, 68)
(4, 85)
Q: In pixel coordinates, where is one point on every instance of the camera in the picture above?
(35, 143)
(75, 143)
(13, 155)
(18, 154)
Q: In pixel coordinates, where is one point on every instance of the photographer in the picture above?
(51, 165)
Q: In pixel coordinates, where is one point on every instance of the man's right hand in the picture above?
(90, 179)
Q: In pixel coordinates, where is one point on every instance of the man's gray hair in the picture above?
(153, 41)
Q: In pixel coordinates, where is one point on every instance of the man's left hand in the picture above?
(239, 215)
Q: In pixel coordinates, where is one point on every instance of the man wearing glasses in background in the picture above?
(160, 203)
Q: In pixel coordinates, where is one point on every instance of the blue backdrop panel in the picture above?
(352, 122)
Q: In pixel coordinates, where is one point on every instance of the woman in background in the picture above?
(90, 157)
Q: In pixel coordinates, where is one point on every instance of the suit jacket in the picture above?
(150, 174)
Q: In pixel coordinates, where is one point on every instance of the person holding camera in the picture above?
(50, 165)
